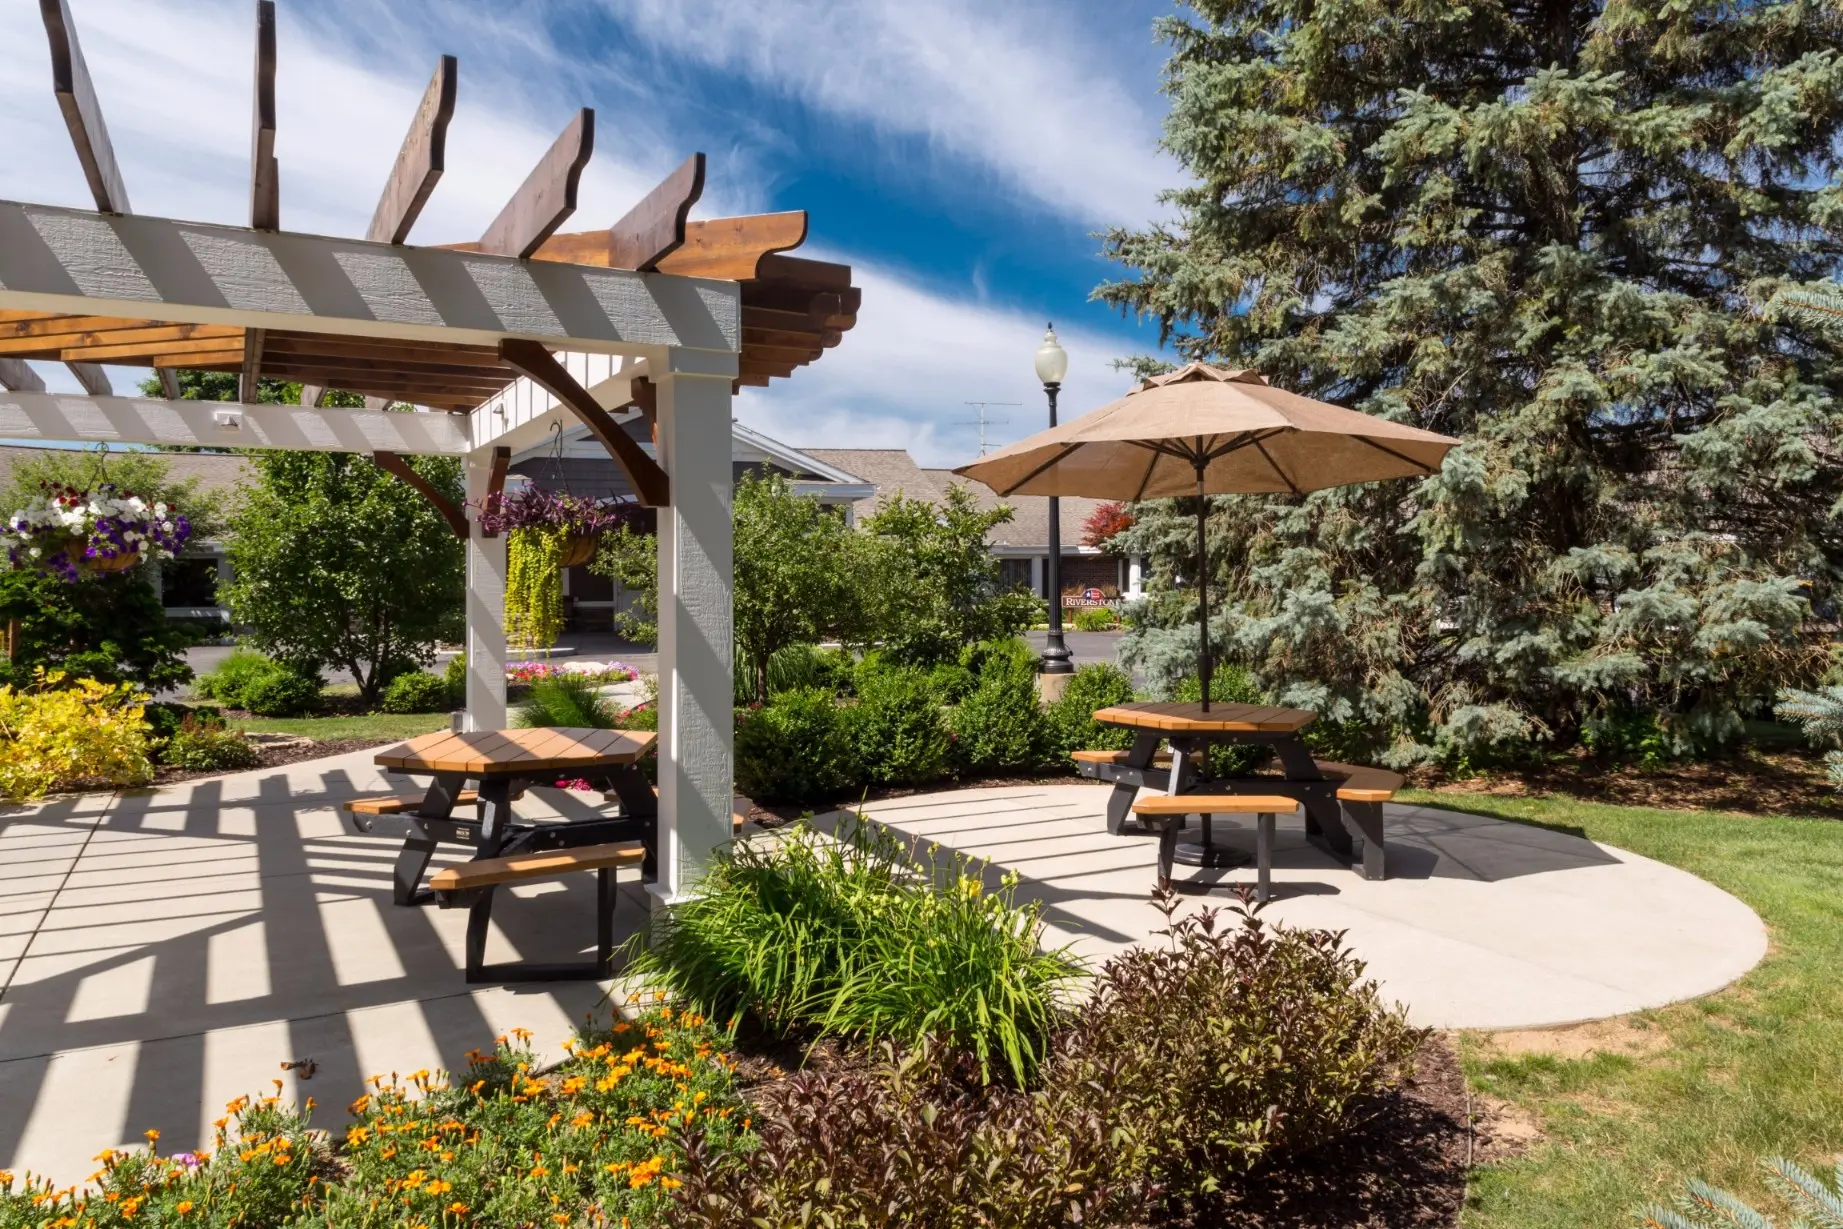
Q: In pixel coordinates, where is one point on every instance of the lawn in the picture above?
(1755, 1070)
(385, 727)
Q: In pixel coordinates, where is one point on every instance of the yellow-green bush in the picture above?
(55, 733)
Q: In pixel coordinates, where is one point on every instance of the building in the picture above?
(1022, 544)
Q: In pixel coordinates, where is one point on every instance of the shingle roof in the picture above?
(890, 470)
(215, 471)
(1029, 525)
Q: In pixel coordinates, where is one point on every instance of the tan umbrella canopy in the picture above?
(1206, 431)
(1244, 435)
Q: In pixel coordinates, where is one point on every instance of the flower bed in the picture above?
(525, 673)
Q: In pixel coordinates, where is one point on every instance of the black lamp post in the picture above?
(1052, 365)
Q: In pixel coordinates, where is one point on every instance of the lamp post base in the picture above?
(1056, 657)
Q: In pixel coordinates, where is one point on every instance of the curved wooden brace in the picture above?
(402, 469)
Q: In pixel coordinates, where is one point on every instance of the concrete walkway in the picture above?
(164, 951)
(1481, 924)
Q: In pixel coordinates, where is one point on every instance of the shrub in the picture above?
(567, 700)
(228, 681)
(416, 693)
(282, 693)
(1236, 1045)
(1228, 684)
(999, 726)
(203, 743)
(1096, 619)
(811, 934)
(59, 734)
(1070, 720)
(163, 719)
(911, 1141)
(900, 736)
(950, 682)
(796, 748)
(455, 675)
(1818, 1204)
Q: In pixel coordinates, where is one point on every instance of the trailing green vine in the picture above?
(534, 585)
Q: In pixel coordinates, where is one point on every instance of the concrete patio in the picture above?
(164, 951)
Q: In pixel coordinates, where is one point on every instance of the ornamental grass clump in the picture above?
(855, 935)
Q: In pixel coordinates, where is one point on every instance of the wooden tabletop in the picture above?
(510, 752)
(1222, 718)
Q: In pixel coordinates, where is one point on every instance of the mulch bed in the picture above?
(275, 756)
(1754, 783)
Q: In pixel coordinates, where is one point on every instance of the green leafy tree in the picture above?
(795, 581)
(631, 559)
(104, 627)
(1540, 228)
(338, 562)
(932, 585)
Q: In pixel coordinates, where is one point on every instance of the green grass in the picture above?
(1753, 1071)
(382, 726)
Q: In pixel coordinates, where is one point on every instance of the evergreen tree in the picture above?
(1541, 226)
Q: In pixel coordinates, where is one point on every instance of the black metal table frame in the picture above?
(1317, 794)
(496, 832)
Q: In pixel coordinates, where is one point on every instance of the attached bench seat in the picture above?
(1166, 813)
(1115, 757)
(472, 884)
(397, 804)
(1361, 792)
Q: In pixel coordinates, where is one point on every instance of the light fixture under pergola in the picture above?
(496, 341)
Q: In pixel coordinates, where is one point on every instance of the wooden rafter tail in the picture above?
(15, 375)
(252, 366)
(655, 228)
(70, 79)
(643, 473)
(402, 469)
(548, 195)
(735, 248)
(420, 161)
(265, 173)
(94, 379)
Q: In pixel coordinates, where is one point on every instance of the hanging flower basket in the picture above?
(578, 549)
(72, 534)
(546, 532)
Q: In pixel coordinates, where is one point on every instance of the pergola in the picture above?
(493, 342)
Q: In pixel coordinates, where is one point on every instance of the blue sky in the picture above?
(959, 154)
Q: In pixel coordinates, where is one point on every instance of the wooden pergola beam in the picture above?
(420, 161)
(496, 480)
(655, 228)
(265, 173)
(252, 364)
(14, 374)
(97, 330)
(95, 380)
(152, 420)
(541, 367)
(76, 93)
(548, 195)
(84, 263)
(402, 469)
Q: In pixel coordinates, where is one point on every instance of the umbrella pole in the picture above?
(1203, 664)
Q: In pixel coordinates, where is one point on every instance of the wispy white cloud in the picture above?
(1033, 90)
(903, 376)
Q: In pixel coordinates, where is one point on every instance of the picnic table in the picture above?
(1190, 732)
(502, 764)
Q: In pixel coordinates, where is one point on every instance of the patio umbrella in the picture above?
(1208, 431)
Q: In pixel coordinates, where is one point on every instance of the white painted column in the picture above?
(696, 693)
(1135, 576)
(1037, 569)
(486, 608)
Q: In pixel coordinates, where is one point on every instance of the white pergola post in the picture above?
(696, 693)
(486, 607)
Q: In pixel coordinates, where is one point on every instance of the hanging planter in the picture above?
(73, 534)
(546, 531)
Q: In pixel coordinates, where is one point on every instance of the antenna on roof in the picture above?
(984, 420)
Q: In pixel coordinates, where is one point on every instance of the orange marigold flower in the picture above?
(183, 1206)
